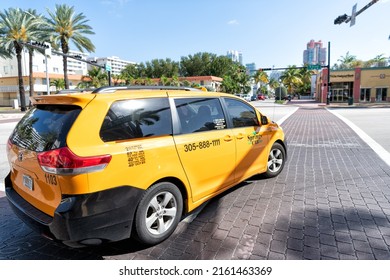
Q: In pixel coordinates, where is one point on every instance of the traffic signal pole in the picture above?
(346, 19)
(48, 50)
(328, 78)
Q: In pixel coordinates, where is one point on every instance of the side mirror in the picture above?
(264, 120)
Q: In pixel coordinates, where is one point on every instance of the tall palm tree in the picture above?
(67, 27)
(16, 28)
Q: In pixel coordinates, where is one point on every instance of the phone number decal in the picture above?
(201, 145)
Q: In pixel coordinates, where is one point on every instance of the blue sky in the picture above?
(269, 33)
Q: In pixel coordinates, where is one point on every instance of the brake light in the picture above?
(64, 162)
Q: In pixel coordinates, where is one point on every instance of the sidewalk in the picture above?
(332, 201)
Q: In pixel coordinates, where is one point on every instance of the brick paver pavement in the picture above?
(332, 201)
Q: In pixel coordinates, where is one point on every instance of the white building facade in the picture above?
(116, 64)
(9, 89)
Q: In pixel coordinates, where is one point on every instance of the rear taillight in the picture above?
(64, 162)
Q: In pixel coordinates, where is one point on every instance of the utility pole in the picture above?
(328, 78)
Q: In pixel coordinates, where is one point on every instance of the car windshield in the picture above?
(44, 127)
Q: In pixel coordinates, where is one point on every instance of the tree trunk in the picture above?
(18, 49)
(30, 66)
(65, 50)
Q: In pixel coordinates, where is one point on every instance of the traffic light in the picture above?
(264, 69)
(341, 19)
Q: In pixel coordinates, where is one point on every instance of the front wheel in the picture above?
(158, 213)
(276, 159)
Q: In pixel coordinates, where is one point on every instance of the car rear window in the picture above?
(45, 127)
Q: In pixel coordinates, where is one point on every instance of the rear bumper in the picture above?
(82, 219)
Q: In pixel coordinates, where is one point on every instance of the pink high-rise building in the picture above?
(314, 53)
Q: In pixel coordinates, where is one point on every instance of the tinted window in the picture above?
(136, 118)
(200, 114)
(45, 127)
(241, 114)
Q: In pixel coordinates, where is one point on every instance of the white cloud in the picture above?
(233, 22)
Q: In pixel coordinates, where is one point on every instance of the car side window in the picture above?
(200, 114)
(240, 113)
(137, 118)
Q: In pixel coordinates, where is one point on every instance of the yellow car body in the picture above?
(87, 168)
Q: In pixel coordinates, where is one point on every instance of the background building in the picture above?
(359, 85)
(117, 64)
(251, 69)
(235, 56)
(314, 53)
(9, 90)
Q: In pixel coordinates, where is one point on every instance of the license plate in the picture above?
(28, 182)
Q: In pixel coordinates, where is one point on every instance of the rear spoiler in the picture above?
(79, 100)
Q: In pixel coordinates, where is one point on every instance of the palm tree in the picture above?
(305, 75)
(261, 77)
(16, 28)
(347, 61)
(58, 83)
(273, 83)
(291, 78)
(380, 60)
(66, 26)
(95, 78)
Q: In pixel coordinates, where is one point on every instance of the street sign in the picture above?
(353, 16)
(314, 67)
(107, 67)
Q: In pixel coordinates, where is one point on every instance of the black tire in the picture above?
(276, 159)
(158, 213)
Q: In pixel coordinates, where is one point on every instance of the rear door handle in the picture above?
(227, 138)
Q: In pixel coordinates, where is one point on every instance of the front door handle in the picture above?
(240, 136)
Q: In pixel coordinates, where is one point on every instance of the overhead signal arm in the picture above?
(345, 18)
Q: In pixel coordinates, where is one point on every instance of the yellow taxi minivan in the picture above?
(121, 162)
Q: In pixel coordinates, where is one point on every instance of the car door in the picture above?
(205, 145)
(251, 138)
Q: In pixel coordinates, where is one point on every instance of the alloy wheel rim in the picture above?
(275, 160)
(160, 213)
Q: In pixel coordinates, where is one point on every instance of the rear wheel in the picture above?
(158, 213)
(276, 159)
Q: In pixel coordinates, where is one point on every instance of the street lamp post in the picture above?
(47, 76)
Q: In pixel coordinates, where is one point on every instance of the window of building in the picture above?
(381, 94)
(365, 94)
(137, 118)
(6, 70)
